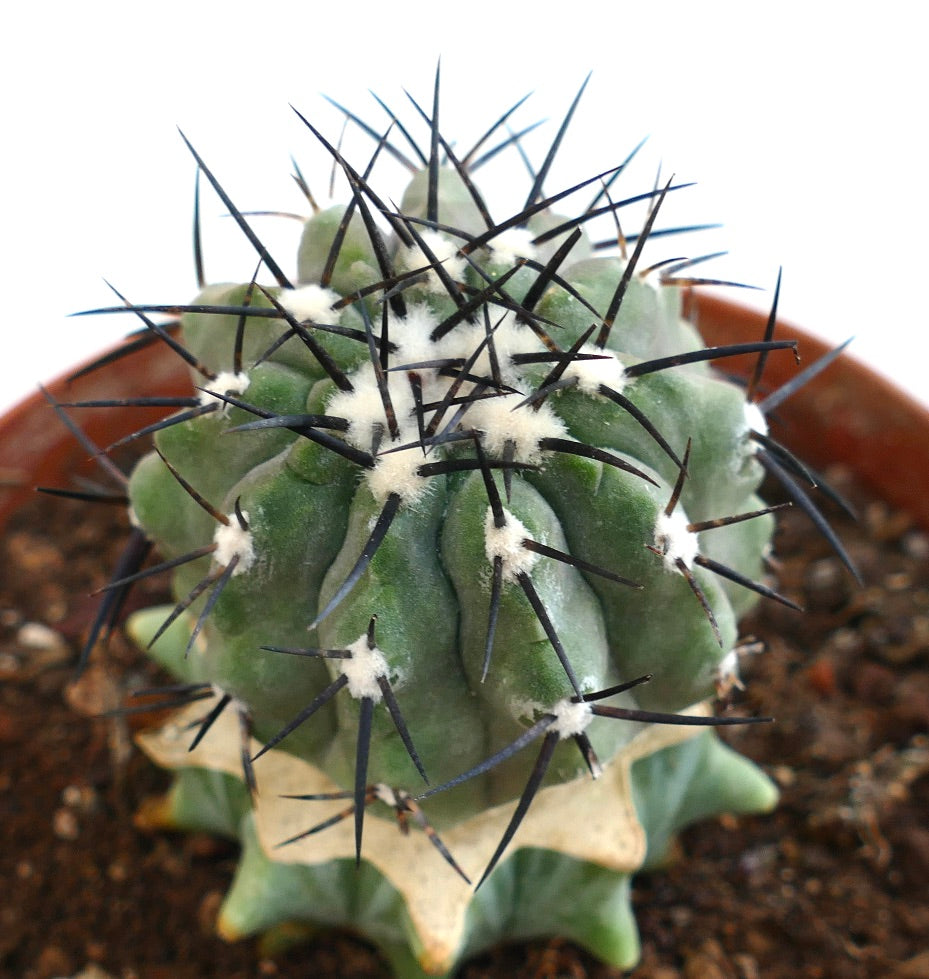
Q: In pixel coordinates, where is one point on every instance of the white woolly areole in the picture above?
(506, 542)
(755, 421)
(445, 251)
(571, 719)
(511, 245)
(502, 422)
(233, 541)
(396, 472)
(674, 540)
(412, 335)
(226, 382)
(312, 303)
(363, 407)
(363, 669)
(591, 374)
(509, 337)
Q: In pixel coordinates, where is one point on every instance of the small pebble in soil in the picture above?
(65, 825)
(916, 545)
(81, 797)
(40, 637)
(827, 585)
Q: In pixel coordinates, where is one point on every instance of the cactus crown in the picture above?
(464, 485)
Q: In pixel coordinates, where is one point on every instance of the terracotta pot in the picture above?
(848, 414)
(37, 449)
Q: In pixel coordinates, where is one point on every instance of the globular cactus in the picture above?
(462, 521)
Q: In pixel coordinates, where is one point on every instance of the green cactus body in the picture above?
(455, 493)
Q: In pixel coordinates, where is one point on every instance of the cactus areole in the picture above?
(461, 520)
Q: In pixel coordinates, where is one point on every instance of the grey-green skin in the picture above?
(310, 512)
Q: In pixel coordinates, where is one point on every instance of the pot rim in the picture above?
(848, 415)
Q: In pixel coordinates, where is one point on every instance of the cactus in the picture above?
(461, 523)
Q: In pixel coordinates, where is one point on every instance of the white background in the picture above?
(803, 124)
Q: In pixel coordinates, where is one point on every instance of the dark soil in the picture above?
(833, 884)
